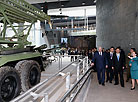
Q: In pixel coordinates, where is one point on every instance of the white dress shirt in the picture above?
(100, 53)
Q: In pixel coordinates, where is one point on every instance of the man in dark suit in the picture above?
(118, 66)
(109, 70)
(101, 64)
(90, 54)
(76, 53)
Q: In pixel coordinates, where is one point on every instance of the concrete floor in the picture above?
(98, 93)
(56, 88)
(111, 92)
(54, 67)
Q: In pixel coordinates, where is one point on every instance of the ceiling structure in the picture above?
(68, 9)
(75, 11)
(42, 1)
(54, 4)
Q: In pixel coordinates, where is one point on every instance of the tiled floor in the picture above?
(54, 68)
(57, 88)
(111, 92)
(98, 93)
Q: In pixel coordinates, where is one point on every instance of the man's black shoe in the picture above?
(110, 81)
(116, 84)
(103, 84)
(122, 86)
(99, 82)
(106, 80)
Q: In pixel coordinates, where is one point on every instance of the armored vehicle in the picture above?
(20, 63)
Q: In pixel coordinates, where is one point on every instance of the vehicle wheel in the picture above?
(30, 73)
(10, 83)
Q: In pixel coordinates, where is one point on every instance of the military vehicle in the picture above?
(20, 63)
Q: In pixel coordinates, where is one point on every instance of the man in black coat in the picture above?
(101, 64)
(109, 70)
(118, 66)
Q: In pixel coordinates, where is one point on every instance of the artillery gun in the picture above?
(20, 63)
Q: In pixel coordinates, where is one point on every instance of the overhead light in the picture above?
(95, 1)
(83, 3)
(60, 11)
(62, 5)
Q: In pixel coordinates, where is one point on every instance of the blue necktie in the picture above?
(111, 55)
(118, 57)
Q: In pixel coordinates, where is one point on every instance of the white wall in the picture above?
(75, 11)
(35, 34)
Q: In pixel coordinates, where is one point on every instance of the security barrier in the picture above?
(83, 72)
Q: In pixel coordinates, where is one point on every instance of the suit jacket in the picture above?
(110, 60)
(101, 61)
(89, 55)
(118, 64)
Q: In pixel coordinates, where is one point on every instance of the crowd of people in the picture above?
(110, 64)
(113, 62)
(75, 51)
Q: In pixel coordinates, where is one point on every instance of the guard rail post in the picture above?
(59, 62)
(45, 97)
(83, 65)
(68, 85)
(87, 63)
(78, 71)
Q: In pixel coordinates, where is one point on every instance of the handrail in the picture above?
(81, 86)
(42, 83)
(75, 85)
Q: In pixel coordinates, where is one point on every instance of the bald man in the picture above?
(101, 65)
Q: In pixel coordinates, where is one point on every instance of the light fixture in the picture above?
(83, 3)
(60, 11)
(95, 1)
(60, 7)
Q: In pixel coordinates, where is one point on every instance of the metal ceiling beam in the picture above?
(81, 23)
(42, 1)
(67, 4)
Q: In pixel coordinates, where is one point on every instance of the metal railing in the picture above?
(83, 73)
(72, 92)
(59, 57)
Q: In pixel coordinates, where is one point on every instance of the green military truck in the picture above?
(20, 64)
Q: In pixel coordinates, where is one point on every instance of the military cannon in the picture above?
(20, 63)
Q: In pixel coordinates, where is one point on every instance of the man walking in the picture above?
(118, 66)
(101, 64)
(109, 70)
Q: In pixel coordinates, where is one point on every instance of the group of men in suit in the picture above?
(113, 62)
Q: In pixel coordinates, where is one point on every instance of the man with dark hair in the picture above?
(109, 70)
(101, 64)
(95, 49)
(133, 50)
(118, 66)
(90, 54)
